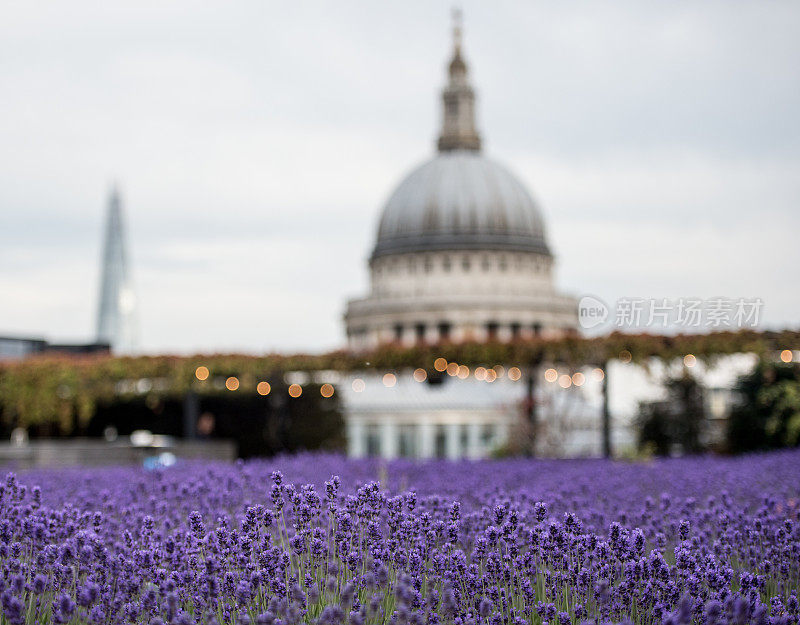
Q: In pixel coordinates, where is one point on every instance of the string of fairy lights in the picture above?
(390, 379)
(455, 370)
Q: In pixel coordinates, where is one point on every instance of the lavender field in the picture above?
(321, 539)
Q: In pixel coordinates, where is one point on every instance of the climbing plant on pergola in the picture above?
(65, 389)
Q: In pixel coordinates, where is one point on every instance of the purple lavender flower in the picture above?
(703, 540)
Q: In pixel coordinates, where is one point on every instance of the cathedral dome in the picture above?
(461, 251)
(460, 200)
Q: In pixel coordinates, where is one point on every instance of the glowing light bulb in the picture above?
(389, 380)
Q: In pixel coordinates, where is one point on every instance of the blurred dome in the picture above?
(460, 200)
(461, 203)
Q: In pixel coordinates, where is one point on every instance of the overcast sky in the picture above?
(255, 143)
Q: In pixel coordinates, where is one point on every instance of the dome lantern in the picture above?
(458, 102)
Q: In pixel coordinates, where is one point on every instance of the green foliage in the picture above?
(62, 393)
(767, 415)
(676, 422)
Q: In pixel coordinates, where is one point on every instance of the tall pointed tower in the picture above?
(117, 307)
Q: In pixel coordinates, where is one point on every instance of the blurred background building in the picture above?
(18, 347)
(116, 303)
(461, 254)
(461, 250)
(116, 315)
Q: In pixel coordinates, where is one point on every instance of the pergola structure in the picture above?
(64, 389)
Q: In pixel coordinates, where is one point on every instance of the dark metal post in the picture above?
(191, 413)
(531, 408)
(607, 452)
(280, 408)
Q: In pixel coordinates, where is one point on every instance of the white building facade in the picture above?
(454, 419)
(472, 418)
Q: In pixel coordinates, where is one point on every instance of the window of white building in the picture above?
(373, 440)
(408, 441)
